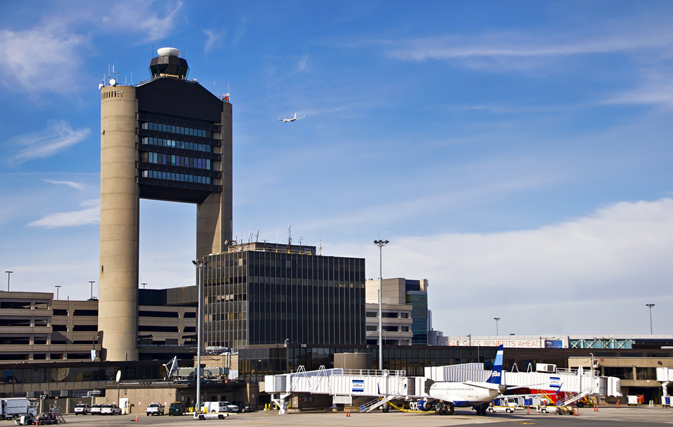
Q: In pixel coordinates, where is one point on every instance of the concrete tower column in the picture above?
(213, 215)
(119, 213)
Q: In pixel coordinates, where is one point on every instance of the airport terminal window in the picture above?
(646, 374)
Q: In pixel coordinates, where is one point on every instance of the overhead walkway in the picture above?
(344, 385)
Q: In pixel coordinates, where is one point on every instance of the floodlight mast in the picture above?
(199, 264)
(380, 244)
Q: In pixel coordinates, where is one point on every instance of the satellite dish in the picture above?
(119, 375)
(113, 82)
(100, 86)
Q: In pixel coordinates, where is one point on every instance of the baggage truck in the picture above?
(15, 407)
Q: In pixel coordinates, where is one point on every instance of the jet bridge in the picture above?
(344, 385)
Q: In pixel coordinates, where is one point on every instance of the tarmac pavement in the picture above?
(608, 416)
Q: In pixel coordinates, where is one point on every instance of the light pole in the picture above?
(9, 272)
(91, 282)
(648, 305)
(496, 325)
(199, 264)
(57, 289)
(380, 244)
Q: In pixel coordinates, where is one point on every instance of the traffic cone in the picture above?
(528, 410)
(136, 418)
(348, 413)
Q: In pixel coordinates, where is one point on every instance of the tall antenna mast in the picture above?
(289, 237)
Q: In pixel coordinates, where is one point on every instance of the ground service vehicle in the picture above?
(176, 408)
(507, 409)
(46, 419)
(219, 407)
(155, 409)
(111, 410)
(15, 407)
(211, 416)
(81, 409)
(244, 407)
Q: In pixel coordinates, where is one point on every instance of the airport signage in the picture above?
(358, 386)
(506, 342)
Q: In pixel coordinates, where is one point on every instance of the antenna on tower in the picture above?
(289, 237)
(320, 247)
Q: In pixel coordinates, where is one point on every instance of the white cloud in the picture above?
(213, 39)
(656, 89)
(43, 58)
(302, 64)
(58, 136)
(75, 185)
(585, 275)
(526, 45)
(155, 19)
(89, 215)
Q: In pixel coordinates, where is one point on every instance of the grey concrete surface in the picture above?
(624, 416)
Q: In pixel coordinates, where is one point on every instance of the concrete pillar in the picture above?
(119, 206)
(213, 215)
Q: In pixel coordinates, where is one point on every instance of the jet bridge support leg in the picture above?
(282, 402)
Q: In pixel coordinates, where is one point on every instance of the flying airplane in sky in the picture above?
(292, 119)
(445, 396)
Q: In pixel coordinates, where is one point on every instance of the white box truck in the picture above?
(15, 407)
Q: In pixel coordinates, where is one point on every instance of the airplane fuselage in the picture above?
(463, 394)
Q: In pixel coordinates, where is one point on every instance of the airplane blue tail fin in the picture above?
(496, 373)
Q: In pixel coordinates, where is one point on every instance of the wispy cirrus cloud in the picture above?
(43, 58)
(58, 137)
(512, 50)
(155, 19)
(213, 39)
(656, 89)
(90, 214)
(75, 185)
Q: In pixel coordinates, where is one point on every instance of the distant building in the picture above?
(268, 293)
(399, 292)
(34, 327)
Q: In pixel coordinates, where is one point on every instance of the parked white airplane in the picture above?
(292, 119)
(445, 396)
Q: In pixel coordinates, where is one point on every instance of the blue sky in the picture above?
(516, 154)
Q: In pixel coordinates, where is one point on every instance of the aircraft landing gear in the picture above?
(445, 408)
(481, 409)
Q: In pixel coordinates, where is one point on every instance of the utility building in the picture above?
(165, 139)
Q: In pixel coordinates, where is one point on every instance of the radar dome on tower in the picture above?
(168, 51)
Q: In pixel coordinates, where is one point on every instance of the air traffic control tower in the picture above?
(165, 139)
